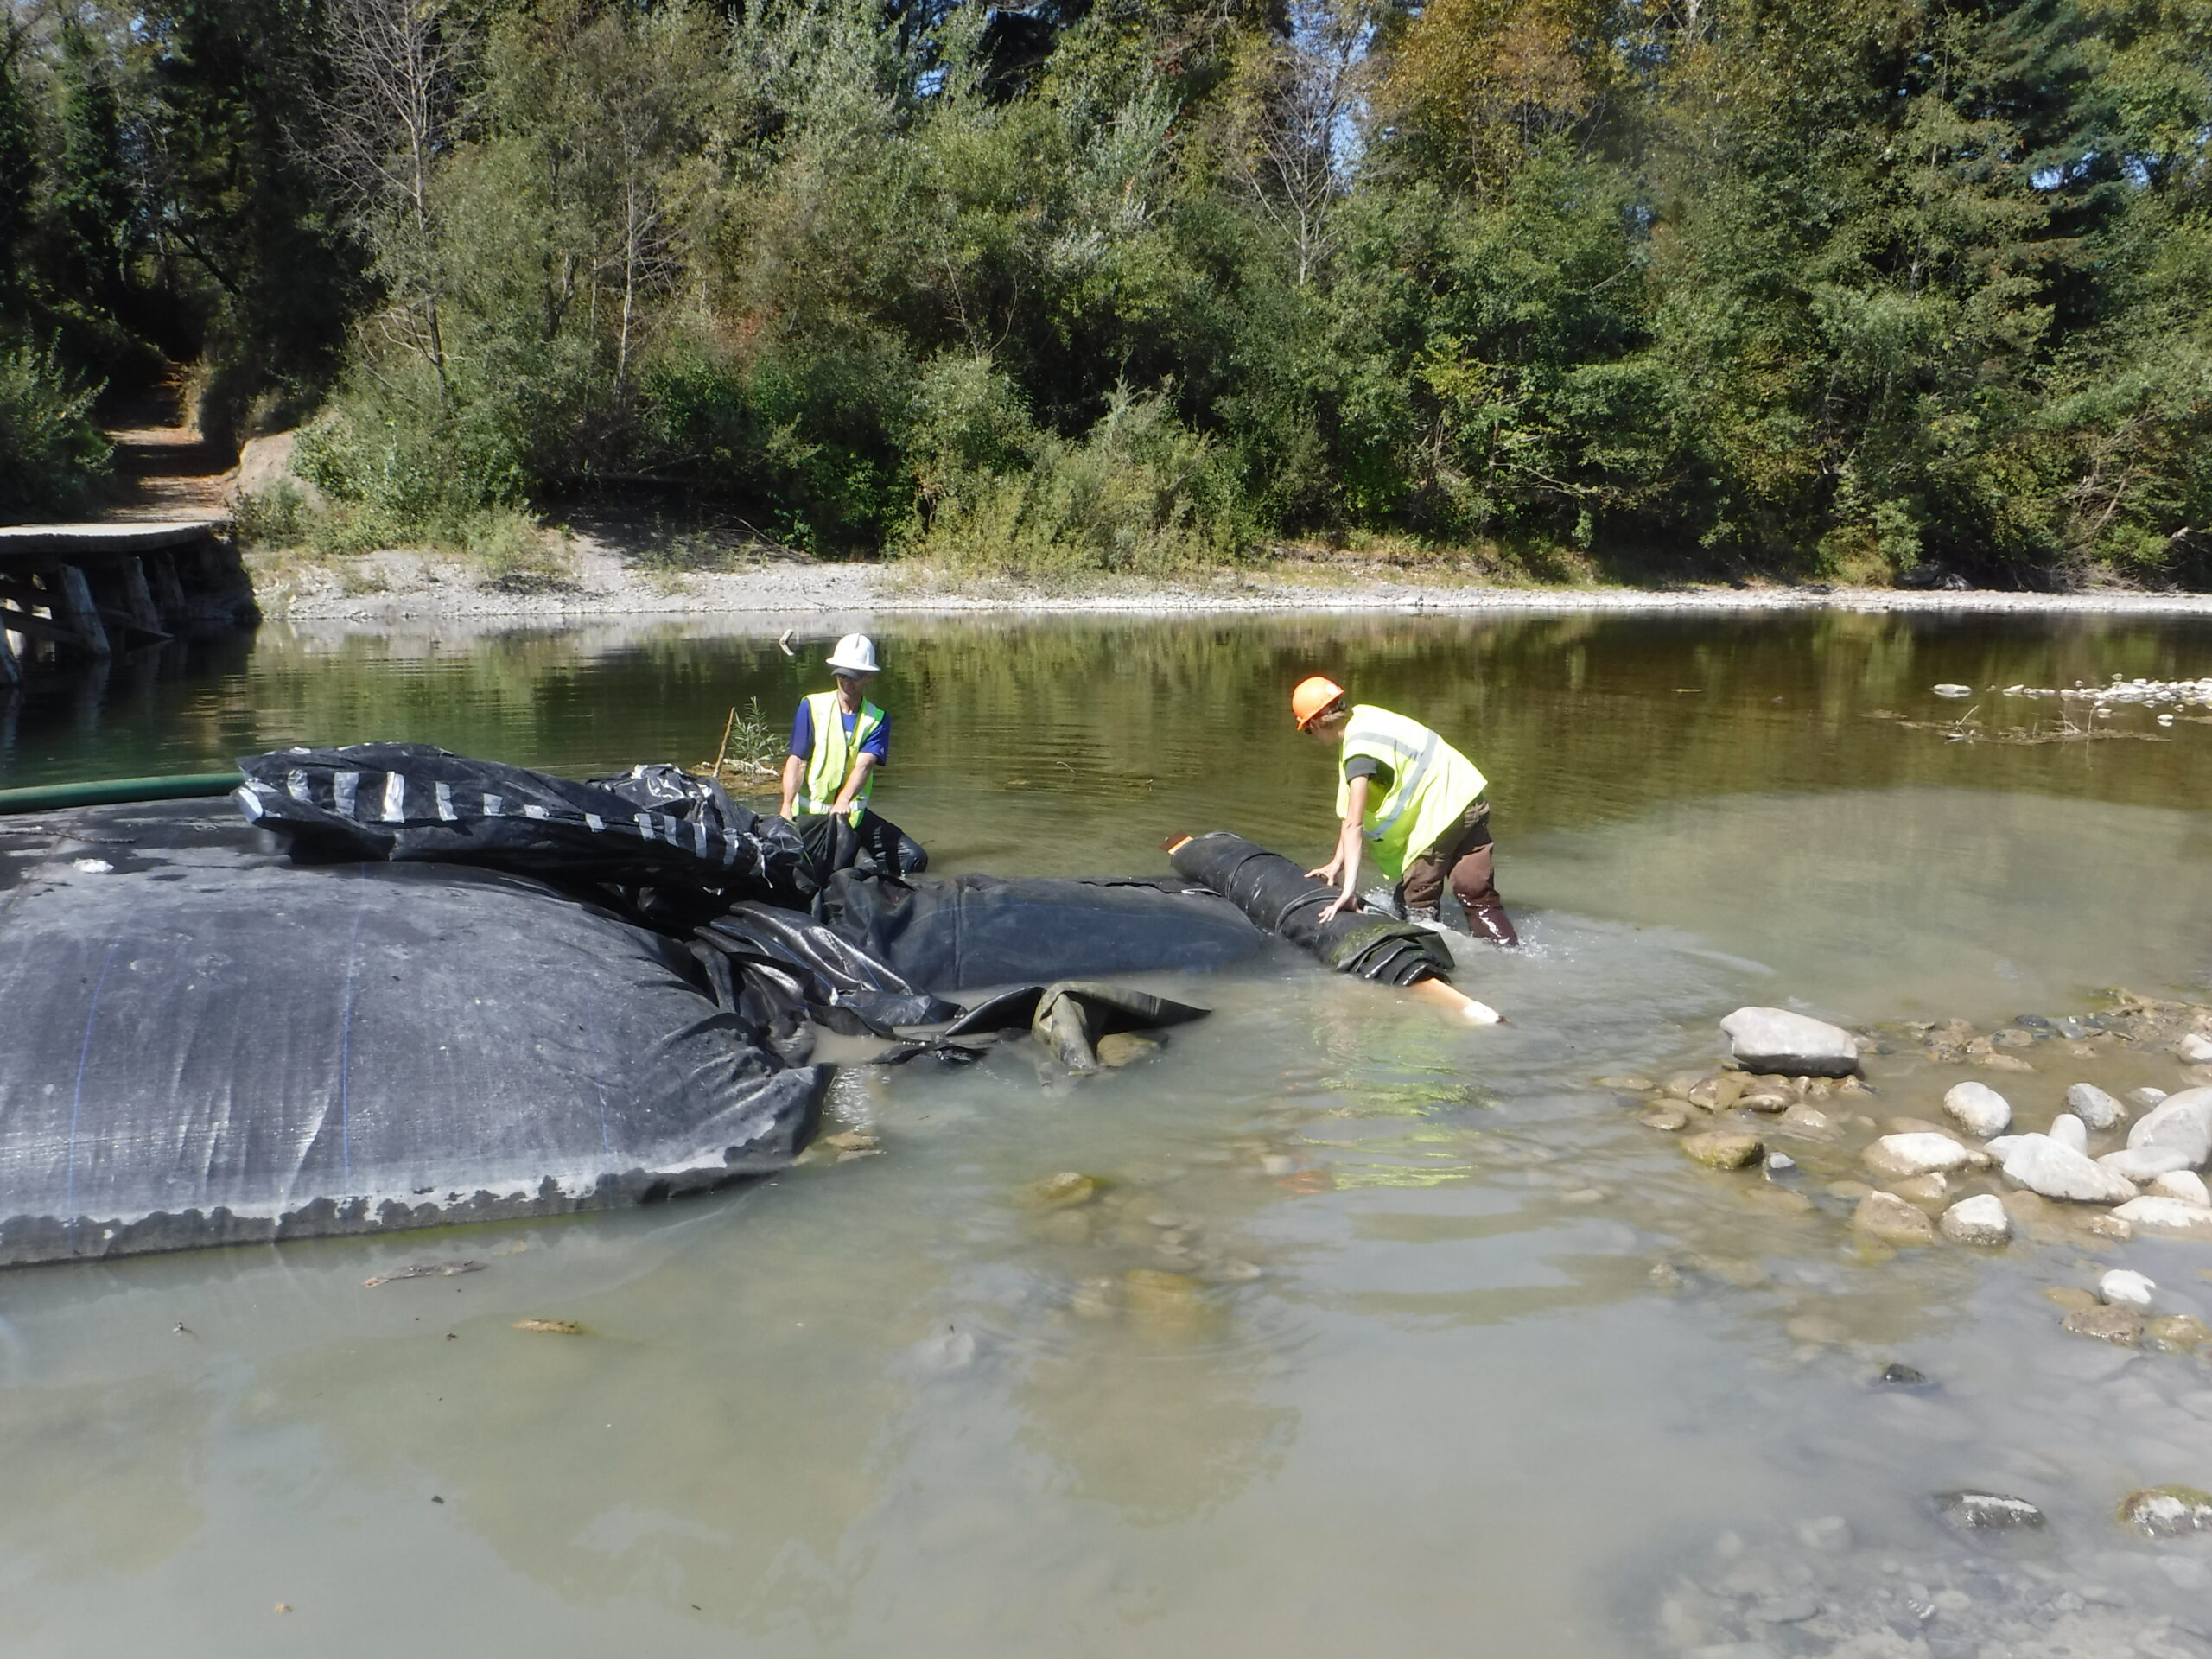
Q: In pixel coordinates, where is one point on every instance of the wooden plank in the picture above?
(41, 627)
(138, 599)
(79, 543)
(73, 603)
(169, 592)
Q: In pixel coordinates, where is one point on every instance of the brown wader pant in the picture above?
(1464, 857)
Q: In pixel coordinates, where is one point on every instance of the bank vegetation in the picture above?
(1860, 290)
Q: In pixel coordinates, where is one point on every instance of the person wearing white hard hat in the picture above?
(838, 740)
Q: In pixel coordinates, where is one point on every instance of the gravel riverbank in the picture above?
(607, 581)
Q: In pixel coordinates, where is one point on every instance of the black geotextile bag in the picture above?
(777, 966)
(986, 929)
(1280, 897)
(654, 825)
(202, 1042)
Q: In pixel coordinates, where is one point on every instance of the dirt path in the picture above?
(164, 470)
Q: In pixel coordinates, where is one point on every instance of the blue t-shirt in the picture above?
(878, 744)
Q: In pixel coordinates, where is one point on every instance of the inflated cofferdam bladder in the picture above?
(203, 1043)
(1281, 898)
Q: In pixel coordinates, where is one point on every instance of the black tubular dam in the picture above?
(1282, 899)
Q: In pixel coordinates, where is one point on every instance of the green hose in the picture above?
(48, 798)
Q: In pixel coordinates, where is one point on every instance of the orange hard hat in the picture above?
(1313, 698)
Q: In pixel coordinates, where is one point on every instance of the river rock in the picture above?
(1719, 1092)
(2145, 1163)
(1890, 1218)
(1627, 1083)
(1720, 1149)
(2194, 1050)
(2121, 1327)
(1904, 1155)
(1120, 1048)
(1161, 1295)
(2177, 1333)
(2182, 1121)
(1922, 1190)
(2102, 1225)
(2167, 1511)
(2069, 1131)
(1978, 1109)
(2123, 1285)
(1987, 1511)
(2184, 1183)
(1775, 1039)
(1829, 1533)
(1807, 1120)
(2167, 1216)
(1669, 1118)
(1059, 1191)
(2043, 1166)
(2072, 1298)
(2146, 1097)
(2094, 1106)
(1979, 1220)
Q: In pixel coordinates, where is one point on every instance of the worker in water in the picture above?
(1416, 804)
(839, 741)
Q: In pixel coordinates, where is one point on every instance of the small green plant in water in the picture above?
(752, 745)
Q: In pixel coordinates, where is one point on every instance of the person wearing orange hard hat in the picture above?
(1411, 801)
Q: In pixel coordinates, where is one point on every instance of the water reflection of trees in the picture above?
(1577, 716)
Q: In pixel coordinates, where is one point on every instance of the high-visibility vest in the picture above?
(835, 752)
(1432, 784)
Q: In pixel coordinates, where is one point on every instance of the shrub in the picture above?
(515, 556)
(50, 451)
(1140, 494)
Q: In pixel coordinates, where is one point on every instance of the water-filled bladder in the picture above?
(1281, 898)
(202, 1042)
(986, 929)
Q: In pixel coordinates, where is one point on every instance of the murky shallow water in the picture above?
(1430, 1399)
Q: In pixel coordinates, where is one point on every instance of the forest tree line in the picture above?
(1855, 289)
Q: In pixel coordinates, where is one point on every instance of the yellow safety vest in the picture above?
(835, 752)
(1432, 784)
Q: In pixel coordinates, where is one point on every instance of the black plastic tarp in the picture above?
(411, 803)
(203, 1041)
(975, 930)
(1279, 896)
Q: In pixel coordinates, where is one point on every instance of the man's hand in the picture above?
(1328, 872)
(1343, 902)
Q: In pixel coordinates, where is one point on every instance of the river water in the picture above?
(1475, 1362)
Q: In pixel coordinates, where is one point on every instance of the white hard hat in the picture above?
(856, 654)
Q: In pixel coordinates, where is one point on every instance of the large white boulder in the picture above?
(2167, 1216)
(1903, 1156)
(2122, 1285)
(2069, 1131)
(2182, 1121)
(2145, 1163)
(2094, 1106)
(1794, 1044)
(1978, 1109)
(1979, 1220)
(2041, 1164)
(2184, 1183)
